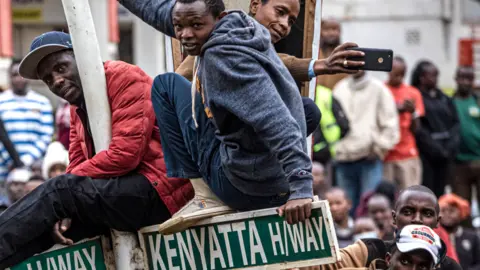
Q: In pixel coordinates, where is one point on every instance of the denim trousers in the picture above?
(358, 177)
(193, 152)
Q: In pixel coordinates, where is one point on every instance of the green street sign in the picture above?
(87, 255)
(242, 240)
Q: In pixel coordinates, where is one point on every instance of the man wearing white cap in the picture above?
(16, 181)
(416, 247)
(415, 206)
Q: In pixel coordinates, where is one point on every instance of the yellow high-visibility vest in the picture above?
(328, 124)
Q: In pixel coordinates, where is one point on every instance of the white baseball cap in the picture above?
(415, 237)
(19, 175)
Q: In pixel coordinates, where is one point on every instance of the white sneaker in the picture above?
(204, 199)
(204, 204)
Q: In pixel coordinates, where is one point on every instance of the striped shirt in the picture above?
(29, 123)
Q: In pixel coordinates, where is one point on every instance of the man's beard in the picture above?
(331, 43)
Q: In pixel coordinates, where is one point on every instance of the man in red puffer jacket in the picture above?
(123, 188)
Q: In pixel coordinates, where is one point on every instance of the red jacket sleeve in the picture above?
(133, 120)
(75, 153)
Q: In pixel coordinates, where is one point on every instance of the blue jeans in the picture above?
(358, 177)
(191, 152)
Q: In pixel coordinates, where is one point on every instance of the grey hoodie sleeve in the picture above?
(156, 13)
(239, 84)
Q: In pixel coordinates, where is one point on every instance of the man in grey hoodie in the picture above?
(246, 134)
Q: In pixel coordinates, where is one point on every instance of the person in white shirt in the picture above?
(371, 110)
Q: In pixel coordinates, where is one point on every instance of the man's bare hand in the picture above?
(58, 229)
(335, 63)
(409, 106)
(296, 211)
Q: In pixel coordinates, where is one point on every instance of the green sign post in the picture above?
(87, 255)
(243, 240)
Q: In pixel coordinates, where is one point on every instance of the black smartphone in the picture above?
(375, 59)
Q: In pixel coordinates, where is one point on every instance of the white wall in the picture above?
(237, 4)
(387, 23)
(433, 45)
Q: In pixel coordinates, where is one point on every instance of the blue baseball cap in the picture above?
(42, 46)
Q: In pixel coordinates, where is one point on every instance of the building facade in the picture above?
(414, 29)
(443, 31)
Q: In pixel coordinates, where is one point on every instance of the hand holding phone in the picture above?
(335, 63)
(375, 59)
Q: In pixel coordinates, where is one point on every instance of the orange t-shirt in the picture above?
(406, 147)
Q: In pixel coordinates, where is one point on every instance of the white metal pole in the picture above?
(169, 54)
(162, 55)
(92, 75)
(90, 66)
(315, 52)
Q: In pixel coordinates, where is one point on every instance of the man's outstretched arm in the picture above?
(301, 69)
(156, 13)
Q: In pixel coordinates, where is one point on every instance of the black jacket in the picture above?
(467, 245)
(438, 137)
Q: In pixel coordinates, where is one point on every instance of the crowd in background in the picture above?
(30, 152)
(375, 138)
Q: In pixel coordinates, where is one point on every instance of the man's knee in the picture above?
(167, 83)
(64, 181)
(162, 83)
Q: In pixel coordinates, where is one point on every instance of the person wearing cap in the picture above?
(124, 187)
(55, 161)
(415, 205)
(16, 181)
(416, 247)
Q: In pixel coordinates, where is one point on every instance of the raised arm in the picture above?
(156, 13)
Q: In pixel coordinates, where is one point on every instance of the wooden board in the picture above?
(244, 240)
(311, 39)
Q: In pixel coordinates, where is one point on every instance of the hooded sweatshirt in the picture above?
(372, 115)
(254, 102)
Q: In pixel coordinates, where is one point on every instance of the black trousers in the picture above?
(436, 175)
(124, 203)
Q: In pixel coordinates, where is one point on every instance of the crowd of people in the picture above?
(383, 151)
(29, 153)
(404, 133)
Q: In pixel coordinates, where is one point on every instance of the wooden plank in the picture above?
(177, 53)
(308, 36)
(243, 240)
(313, 50)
